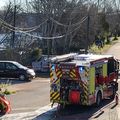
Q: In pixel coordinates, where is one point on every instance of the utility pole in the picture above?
(88, 29)
(48, 40)
(14, 22)
(104, 6)
(98, 5)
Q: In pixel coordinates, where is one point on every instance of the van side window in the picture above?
(10, 66)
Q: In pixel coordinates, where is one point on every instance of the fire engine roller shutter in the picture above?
(92, 80)
(55, 76)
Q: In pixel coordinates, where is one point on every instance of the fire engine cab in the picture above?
(83, 79)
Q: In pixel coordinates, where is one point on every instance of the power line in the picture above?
(56, 37)
(61, 24)
(23, 29)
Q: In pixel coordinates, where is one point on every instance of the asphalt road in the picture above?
(29, 96)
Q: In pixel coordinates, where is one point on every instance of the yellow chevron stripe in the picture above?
(51, 73)
(57, 81)
(51, 91)
(73, 70)
(85, 89)
(58, 73)
(86, 74)
(73, 74)
(56, 97)
(85, 97)
(80, 84)
(84, 86)
(51, 94)
(86, 92)
(54, 94)
(60, 76)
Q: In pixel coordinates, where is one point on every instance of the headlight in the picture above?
(30, 71)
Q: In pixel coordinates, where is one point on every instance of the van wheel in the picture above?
(98, 99)
(22, 77)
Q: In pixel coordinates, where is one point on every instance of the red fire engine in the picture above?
(83, 79)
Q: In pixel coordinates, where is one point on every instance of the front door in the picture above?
(11, 70)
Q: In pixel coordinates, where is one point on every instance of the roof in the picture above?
(91, 57)
(64, 57)
(81, 59)
(86, 59)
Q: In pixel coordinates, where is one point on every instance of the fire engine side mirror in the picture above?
(118, 69)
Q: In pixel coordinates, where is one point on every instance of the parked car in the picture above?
(12, 69)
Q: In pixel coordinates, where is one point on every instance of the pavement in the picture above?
(44, 113)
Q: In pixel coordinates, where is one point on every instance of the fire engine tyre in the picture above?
(98, 99)
(61, 107)
(113, 93)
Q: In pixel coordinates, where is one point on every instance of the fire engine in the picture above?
(84, 79)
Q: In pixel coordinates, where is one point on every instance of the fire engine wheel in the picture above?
(113, 93)
(98, 99)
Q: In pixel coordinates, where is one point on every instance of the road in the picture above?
(29, 95)
(115, 50)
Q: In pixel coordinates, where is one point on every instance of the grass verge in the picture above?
(5, 90)
(94, 49)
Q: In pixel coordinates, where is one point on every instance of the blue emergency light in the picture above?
(53, 67)
(81, 69)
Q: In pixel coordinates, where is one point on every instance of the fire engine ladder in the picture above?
(63, 58)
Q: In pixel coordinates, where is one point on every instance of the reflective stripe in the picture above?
(55, 92)
(72, 74)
